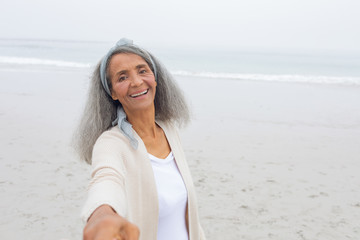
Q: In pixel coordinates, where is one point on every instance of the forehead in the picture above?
(125, 61)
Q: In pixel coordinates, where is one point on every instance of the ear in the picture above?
(114, 97)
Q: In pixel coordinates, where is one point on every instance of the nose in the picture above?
(136, 80)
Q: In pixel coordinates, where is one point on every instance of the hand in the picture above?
(105, 224)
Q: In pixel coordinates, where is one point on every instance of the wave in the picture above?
(231, 76)
(273, 77)
(41, 62)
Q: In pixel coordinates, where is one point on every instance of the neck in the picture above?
(143, 121)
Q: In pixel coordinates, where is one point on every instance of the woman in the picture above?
(141, 186)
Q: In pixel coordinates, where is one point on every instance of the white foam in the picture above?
(274, 77)
(38, 61)
(235, 76)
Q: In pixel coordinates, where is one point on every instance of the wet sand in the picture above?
(269, 160)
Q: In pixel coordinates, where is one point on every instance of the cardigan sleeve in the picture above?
(107, 183)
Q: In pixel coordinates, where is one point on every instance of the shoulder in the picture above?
(110, 146)
(168, 127)
(171, 132)
(111, 138)
(113, 134)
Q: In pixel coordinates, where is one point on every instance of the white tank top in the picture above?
(172, 196)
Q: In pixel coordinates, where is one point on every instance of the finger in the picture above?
(130, 232)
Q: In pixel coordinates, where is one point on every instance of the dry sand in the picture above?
(269, 160)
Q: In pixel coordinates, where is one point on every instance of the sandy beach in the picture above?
(270, 160)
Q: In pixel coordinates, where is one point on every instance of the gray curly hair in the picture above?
(100, 109)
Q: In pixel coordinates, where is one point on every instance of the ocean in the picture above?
(272, 65)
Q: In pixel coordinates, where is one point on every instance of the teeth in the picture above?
(138, 94)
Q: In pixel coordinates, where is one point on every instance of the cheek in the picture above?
(120, 89)
(151, 81)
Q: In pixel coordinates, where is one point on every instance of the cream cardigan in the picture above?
(122, 177)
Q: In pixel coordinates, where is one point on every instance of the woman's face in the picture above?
(132, 82)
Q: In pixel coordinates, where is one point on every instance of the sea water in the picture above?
(243, 64)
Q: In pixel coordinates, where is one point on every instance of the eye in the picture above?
(122, 78)
(142, 71)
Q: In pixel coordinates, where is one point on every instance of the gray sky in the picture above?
(300, 24)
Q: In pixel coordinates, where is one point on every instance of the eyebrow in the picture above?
(125, 71)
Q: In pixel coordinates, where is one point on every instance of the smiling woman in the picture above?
(141, 186)
(132, 82)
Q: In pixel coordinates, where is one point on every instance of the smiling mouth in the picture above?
(139, 94)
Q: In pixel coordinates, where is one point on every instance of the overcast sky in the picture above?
(301, 24)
